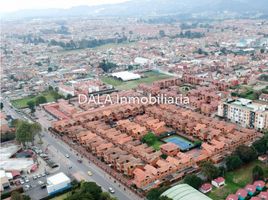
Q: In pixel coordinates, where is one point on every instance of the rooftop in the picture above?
(57, 178)
(184, 192)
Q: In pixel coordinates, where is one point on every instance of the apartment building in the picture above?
(245, 112)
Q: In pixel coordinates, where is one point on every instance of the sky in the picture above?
(15, 5)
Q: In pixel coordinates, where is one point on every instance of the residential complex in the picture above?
(245, 113)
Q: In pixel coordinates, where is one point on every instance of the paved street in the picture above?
(58, 150)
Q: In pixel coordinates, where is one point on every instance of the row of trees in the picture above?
(89, 191)
(36, 102)
(86, 43)
(42, 99)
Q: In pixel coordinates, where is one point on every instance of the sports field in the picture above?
(150, 77)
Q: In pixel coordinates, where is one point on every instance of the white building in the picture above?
(126, 76)
(141, 61)
(245, 113)
(58, 183)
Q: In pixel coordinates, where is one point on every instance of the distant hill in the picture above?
(151, 8)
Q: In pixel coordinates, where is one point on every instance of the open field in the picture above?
(150, 77)
(22, 103)
(235, 180)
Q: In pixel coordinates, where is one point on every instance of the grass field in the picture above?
(157, 145)
(235, 180)
(150, 77)
(22, 103)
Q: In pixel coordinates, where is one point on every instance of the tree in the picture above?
(50, 88)
(81, 196)
(164, 198)
(36, 129)
(222, 171)
(193, 181)
(92, 188)
(149, 138)
(162, 33)
(69, 96)
(257, 173)
(209, 170)
(16, 196)
(154, 194)
(106, 196)
(233, 162)
(1, 105)
(25, 197)
(49, 69)
(246, 154)
(31, 105)
(23, 133)
(40, 100)
(261, 146)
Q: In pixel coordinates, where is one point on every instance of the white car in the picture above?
(27, 187)
(67, 156)
(40, 182)
(111, 190)
(26, 180)
(21, 182)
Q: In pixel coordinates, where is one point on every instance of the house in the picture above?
(242, 194)
(205, 188)
(263, 195)
(259, 185)
(251, 189)
(169, 149)
(263, 97)
(218, 182)
(232, 197)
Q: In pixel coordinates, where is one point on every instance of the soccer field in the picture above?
(150, 77)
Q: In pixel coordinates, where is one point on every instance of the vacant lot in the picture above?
(235, 180)
(22, 103)
(149, 78)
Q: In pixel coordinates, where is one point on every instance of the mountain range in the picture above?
(136, 8)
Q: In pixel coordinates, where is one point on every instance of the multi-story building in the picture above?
(245, 113)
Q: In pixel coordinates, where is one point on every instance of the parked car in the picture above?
(89, 173)
(27, 187)
(21, 181)
(40, 182)
(67, 156)
(80, 161)
(26, 180)
(111, 190)
(35, 177)
(38, 175)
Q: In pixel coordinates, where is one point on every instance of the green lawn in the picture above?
(150, 77)
(22, 103)
(235, 180)
(157, 145)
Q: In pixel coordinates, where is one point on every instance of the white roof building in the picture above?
(126, 76)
